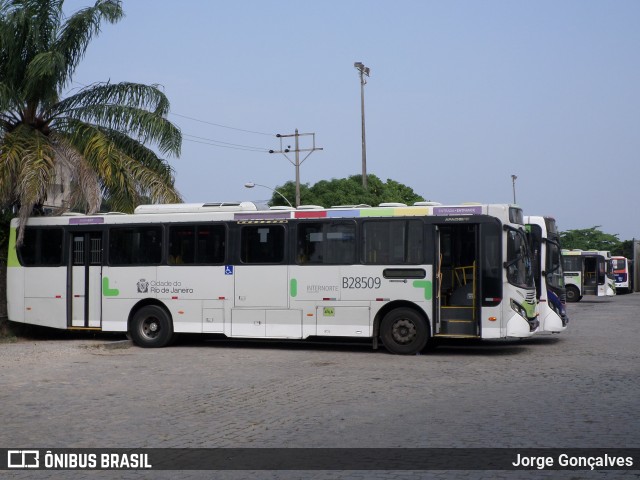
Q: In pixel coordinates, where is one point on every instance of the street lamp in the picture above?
(513, 179)
(252, 184)
(363, 71)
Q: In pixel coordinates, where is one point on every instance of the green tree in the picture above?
(590, 239)
(348, 191)
(625, 249)
(99, 140)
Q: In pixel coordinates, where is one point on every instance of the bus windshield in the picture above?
(619, 264)
(554, 270)
(518, 264)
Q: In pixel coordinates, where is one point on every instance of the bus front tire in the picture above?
(404, 331)
(573, 294)
(151, 327)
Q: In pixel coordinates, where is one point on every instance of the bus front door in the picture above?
(456, 304)
(84, 300)
(590, 275)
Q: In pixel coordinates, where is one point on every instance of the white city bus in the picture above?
(402, 274)
(544, 242)
(622, 274)
(587, 272)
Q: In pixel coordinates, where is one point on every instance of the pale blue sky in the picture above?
(462, 95)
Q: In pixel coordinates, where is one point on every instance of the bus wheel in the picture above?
(151, 327)
(404, 331)
(573, 294)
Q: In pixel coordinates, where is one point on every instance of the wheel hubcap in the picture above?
(403, 331)
(150, 328)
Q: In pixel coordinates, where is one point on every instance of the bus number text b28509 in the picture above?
(361, 282)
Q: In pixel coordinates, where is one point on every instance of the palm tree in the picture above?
(96, 140)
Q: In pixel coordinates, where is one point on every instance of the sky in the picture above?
(462, 95)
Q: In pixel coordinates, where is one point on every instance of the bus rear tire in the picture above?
(573, 294)
(151, 327)
(404, 331)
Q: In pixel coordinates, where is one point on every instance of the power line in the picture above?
(218, 143)
(220, 125)
(213, 142)
(204, 121)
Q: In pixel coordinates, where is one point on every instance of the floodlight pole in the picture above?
(363, 71)
(513, 179)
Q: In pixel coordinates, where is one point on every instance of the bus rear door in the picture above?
(84, 302)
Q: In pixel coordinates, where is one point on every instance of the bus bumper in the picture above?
(518, 327)
(551, 322)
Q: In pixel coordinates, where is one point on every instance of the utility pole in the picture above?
(297, 162)
(363, 71)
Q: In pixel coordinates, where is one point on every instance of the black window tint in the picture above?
(262, 244)
(182, 244)
(519, 271)
(393, 242)
(572, 263)
(491, 274)
(196, 244)
(41, 247)
(326, 243)
(210, 244)
(340, 243)
(311, 243)
(135, 245)
(554, 270)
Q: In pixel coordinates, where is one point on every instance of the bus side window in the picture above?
(341, 243)
(210, 247)
(393, 242)
(262, 244)
(310, 243)
(135, 245)
(41, 247)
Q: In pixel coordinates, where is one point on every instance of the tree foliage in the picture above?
(98, 140)
(347, 191)
(590, 239)
(625, 249)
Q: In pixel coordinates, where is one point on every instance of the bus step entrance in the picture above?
(458, 321)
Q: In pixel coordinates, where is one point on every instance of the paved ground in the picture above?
(577, 389)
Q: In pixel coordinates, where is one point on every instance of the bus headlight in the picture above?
(519, 309)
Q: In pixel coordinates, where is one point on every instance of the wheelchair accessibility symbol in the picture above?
(228, 269)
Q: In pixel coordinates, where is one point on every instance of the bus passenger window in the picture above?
(262, 244)
(135, 245)
(41, 247)
(310, 243)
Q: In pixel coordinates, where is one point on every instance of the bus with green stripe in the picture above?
(395, 274)
(588, 272)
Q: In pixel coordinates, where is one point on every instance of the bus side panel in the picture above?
(183, 289)
(122, 289)
(45, 296)
(574, 279)
(15, 293)
(490, 328)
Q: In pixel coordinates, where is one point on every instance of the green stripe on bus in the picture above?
(12, 257)
(426, 284)
(109, 292)
(293, 287)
